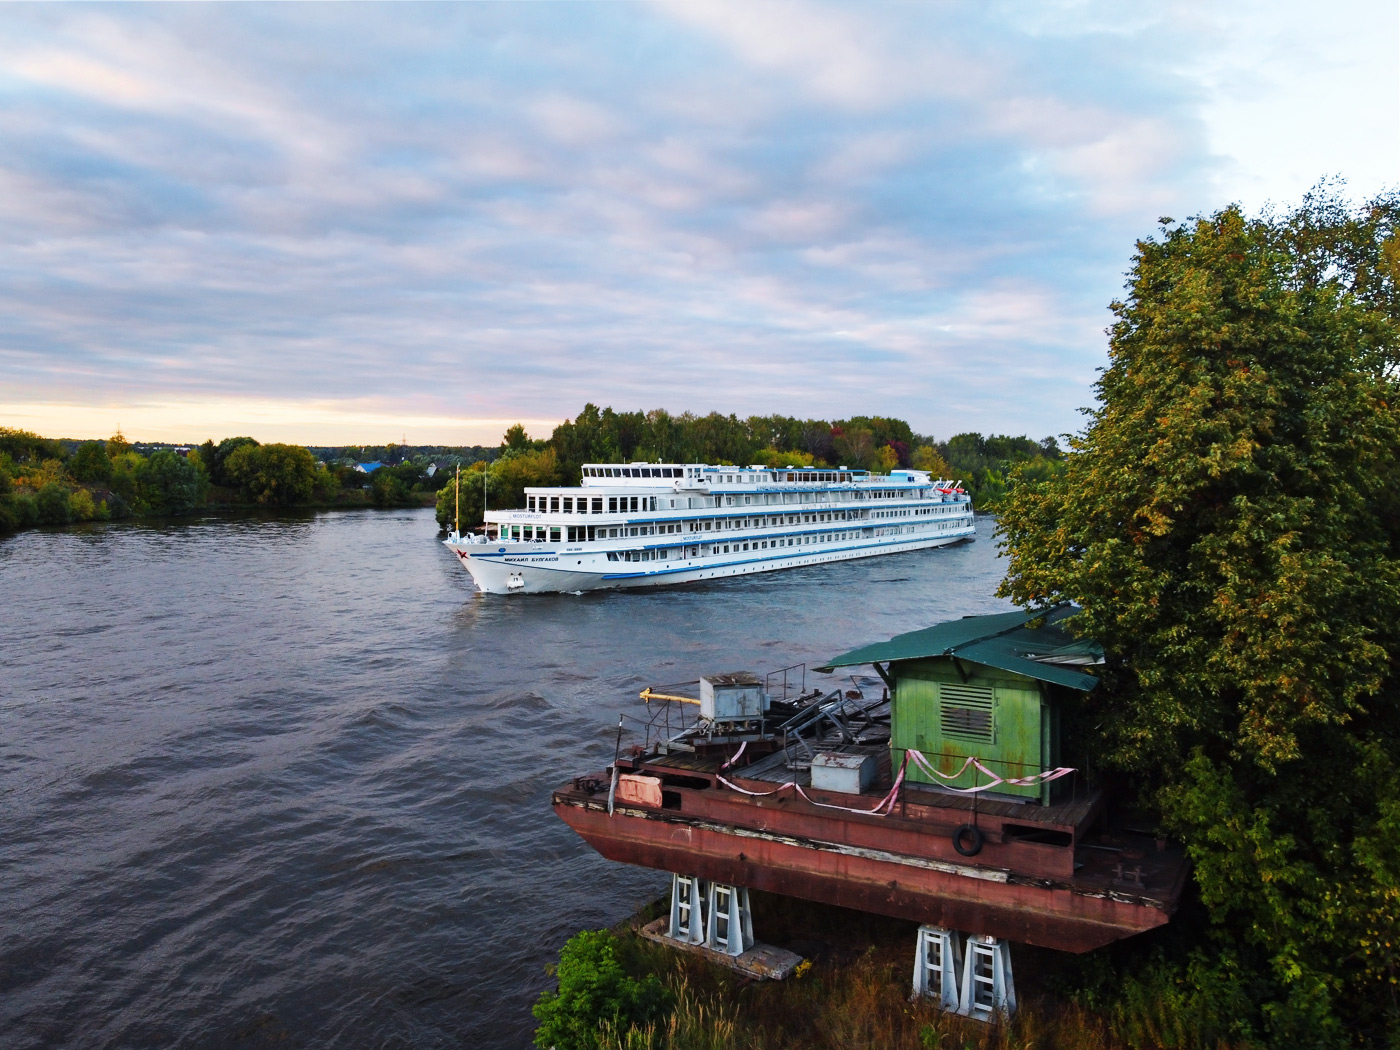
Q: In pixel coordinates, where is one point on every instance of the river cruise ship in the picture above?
(646, 525)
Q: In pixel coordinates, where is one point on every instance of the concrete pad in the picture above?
(762, 960)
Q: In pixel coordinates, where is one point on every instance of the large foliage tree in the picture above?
(1229, 524)
(169, 484)
(272, 474)
(90, 462)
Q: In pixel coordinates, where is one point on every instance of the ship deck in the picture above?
(1078, 809)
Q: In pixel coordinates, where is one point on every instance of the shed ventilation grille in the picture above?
(965, 711)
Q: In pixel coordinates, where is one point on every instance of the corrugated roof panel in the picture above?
(1007, 658)
(1000, 640)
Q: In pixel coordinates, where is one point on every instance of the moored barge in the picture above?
(938, 796)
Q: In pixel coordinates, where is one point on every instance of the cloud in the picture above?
(490, 212)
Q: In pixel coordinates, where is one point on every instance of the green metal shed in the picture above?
(987, 687)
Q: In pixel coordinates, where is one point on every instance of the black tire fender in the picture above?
(967, 840)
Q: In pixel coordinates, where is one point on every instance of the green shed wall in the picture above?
(939, 713)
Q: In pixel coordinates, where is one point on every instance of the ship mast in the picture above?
(457, 516)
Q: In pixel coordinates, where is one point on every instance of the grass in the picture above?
(856, 993)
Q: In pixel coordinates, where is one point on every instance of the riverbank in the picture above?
(44, 481)
(853, 990)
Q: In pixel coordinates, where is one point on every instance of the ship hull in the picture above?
(536, 568)
(1028, 909)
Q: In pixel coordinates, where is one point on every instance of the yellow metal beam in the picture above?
(648, 696)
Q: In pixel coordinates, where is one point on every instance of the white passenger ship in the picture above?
(645, 524)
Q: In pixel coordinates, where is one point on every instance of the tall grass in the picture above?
(857, 995)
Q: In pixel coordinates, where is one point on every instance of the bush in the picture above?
(326, 485)
(594, 992)
(25, 508)
(81, 506)
(387, 490)
(52, 504)
(126, 489)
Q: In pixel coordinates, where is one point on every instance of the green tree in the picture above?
(22, 446)
(387, 489)
(325, 487)
(1229, 524)
(926, 457)
(517, 440)
(479, 487)
(125, 484)
(772, 457)
(855, 448)
(52, 504)
(512, 473)
(275, 474)
(215, 458)
(593, 990)
(90, 462)
(169, 484)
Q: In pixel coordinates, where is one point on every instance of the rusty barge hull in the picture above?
(1048, 911)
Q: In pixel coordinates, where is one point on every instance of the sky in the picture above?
(363, 223)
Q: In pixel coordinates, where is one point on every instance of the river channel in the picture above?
(284, 781)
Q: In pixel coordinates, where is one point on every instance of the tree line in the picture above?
(46, 481)
(1229, 525)
(986, 466)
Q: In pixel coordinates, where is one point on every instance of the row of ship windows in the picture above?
(677, 553)
(758, 521)
(616, 504)
(629, 504)
(632, 472)
(586, 533)
(810, 476)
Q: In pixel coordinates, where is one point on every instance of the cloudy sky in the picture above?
(337, 223)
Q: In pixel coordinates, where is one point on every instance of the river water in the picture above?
(285, 781)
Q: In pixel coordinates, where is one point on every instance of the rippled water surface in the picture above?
(286, 781)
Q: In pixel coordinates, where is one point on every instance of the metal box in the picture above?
(734, 697)
(836, 771)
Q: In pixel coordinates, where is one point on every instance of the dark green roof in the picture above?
(1001, 640)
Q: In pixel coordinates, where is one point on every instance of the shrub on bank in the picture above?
(596, 996)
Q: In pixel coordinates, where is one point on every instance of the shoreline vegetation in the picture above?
(54, 482)
(988, 466)
(58, 481)
(619, 991)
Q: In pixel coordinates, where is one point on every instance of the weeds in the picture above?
(854, 993)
